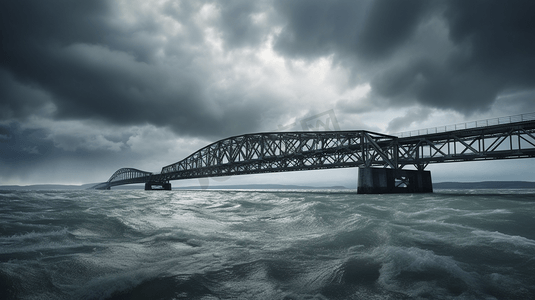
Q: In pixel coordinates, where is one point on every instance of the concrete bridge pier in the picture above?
(385, 181)
(149, 186)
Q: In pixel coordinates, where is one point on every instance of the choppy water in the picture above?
(266, 245)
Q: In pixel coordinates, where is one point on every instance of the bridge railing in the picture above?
(468, 125)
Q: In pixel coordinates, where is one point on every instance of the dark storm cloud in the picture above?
(86, 60)
(28, 155)
(4, 134)
(91, 66)
(500, 36)
(371, 29)
(19, 101)
(415, 115)
(317, 28)
(238, 25)
(491, 46)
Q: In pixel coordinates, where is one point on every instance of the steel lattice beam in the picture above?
(282, 152)
(297, 151)
(506, 141)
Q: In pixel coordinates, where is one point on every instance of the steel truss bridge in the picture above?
(510, 138)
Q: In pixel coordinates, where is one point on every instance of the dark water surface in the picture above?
(470, 244)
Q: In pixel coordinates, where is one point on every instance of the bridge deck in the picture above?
(503, 141)
(296, 151)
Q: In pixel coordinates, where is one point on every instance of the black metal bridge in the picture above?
(387, 163)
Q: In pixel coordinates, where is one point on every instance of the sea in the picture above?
(267, 244)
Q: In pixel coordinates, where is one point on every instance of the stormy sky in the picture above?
(88, 87)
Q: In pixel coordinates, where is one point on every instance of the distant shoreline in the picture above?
(485, 185)
(438, 185)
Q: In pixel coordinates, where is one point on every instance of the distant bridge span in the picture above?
(125, 176)
(382, 159)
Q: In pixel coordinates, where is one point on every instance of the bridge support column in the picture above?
(383, 181)
(166, 186)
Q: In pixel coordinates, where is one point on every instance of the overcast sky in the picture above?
(88, 87)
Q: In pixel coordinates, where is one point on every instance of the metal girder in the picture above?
(506, 141)
(127, 174)
(289, 151)
(296, 151)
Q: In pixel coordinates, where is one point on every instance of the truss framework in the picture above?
(488, 143)
(125, 176)
(296, 151)
(282, 152)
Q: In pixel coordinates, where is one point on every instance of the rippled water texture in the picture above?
(266, 245)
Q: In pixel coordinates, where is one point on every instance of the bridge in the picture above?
(387, 163)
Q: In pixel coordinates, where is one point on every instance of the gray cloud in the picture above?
(78, 60)
(367, 31)
(319, 28)
(4, 134)
(489, 46)
(244, 23)
(92, 68)
(20, 101)
(400, 123)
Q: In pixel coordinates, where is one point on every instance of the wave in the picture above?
(264, 245)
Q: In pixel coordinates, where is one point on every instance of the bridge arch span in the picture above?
(127, 173)
(125, 176)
